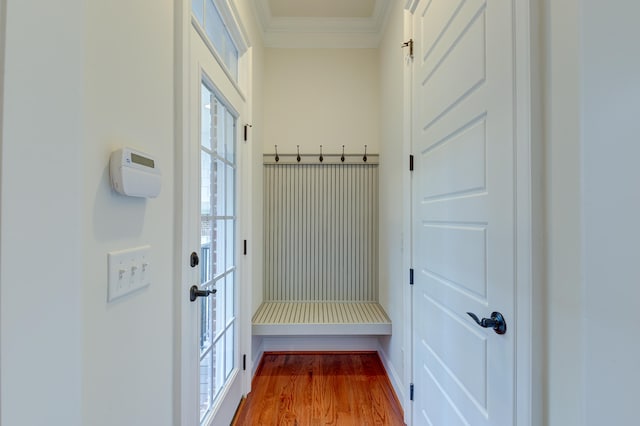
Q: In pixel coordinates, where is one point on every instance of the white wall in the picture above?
(592, 87)
(611, 206)
(82, 81)
(393, 190)
(41, 236)
(128, 84)
(327, 97)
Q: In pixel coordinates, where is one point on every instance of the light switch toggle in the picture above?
(128, 270)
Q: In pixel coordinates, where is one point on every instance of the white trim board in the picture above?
(394, 378)
(319, 343)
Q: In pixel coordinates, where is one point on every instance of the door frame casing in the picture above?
(530, 303)
(3, 29)
(528, 233)
(184, 317)
(407, 243)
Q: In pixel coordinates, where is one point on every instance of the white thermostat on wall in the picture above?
(134, 173)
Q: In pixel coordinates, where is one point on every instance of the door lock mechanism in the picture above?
(194, 260)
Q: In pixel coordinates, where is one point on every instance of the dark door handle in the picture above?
(195, 292)
(496, 322)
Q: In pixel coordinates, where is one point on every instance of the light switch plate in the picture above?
(128, 271)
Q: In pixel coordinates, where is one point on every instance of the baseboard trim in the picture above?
(256, 358)
(394, 378)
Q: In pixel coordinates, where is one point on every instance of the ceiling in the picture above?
(322, 23)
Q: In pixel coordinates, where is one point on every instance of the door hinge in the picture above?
(244, 362)
(410, 45)
(244, 247)
(411, 276)
(246, 131)
(411, 163)
(411, 392)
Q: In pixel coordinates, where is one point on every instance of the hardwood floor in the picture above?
(302, 388)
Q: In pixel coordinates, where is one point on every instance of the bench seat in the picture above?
(320, 319)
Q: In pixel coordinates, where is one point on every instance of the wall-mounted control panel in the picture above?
(134, 173)
(129, 270)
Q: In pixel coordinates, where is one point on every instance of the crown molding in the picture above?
(322, 32)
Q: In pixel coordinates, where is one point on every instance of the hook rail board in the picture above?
(372, 159)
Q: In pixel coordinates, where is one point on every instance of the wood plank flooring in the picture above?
(302, 388)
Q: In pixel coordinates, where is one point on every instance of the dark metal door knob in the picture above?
(195, 292)
(496, 322)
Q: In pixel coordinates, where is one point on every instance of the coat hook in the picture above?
(365, 154)
(298, 157)
(321, 157)
(277, 157)
(342, 158)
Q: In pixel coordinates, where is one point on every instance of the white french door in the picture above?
(464, 199)
(217, 317)
(211, 367)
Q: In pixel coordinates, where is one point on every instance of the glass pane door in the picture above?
(218, 340)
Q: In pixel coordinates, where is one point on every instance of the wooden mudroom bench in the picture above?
(320, 319)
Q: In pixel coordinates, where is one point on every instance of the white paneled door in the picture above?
(463, 198)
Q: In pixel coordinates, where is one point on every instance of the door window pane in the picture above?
(197, 7)
(206, 324)
(213, 26)
(205, 118)
(231, 59)
(218, 359)
(229, 290)
(209, 18)
(230, 135)
(220, 190)
(230, 191)
(206, 382)
(220, 128)
(205, 184)
(219, 236)
(230, 246)
(217, 248)
(218, 309)
(206, 253)
(229, 358)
